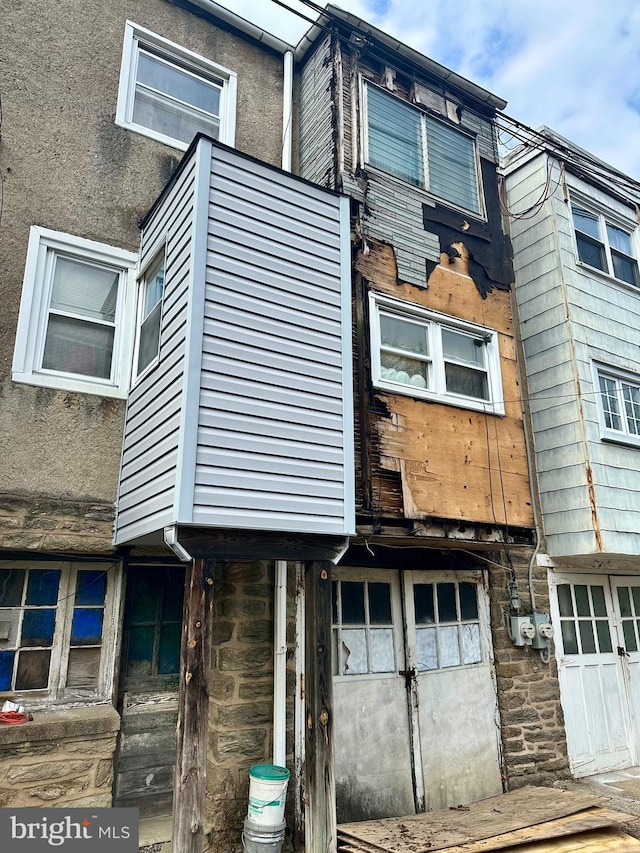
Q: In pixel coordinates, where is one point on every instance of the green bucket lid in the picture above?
(269, 772)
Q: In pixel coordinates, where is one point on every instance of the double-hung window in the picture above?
(619, 405)
(57, 631)
(170, 93)
(431, 356)
(75, 324)
(420, 149)
(150, 314)
(604, 245)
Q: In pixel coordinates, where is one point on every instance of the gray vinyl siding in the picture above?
(569, 319)
(147, 488)
(246, 420)
(271, 434)
(317, 117)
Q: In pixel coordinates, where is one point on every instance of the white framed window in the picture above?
(618, 397)
(75, 326)
(420, 149)
(605, 243)
(150, 293)
(432, 356)
(170, 93)
(57, 631)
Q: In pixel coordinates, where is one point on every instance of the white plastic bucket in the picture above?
(262, 839)
(267, 794)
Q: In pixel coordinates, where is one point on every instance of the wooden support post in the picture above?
(189, 787)
(320, 828)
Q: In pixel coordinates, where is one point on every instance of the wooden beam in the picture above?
(189, 787)
(320, 829)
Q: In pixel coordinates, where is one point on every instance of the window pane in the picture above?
(569, 638)
(382, 654)
(83, 668)
(379, 604)
(423, 603)
(173, 596)
(449, 648)
(402, 334)
(334, 602)
(169, 657)
(626, 269)
(91, 587)
(153, 287)
(38, 627)
(149, 343)
(609, 400)
(591, 253)
(395, 137)
(464, 380)
(624, 601)
(599, 603)
(354, 652)
(6, 669)
(140, 652)
(408, 371)
(452, 165)
(587, 640)
(78, 346)
(85, 289)
(631, 395)
(635, 594)
(619, 239)
(352, 603)
(586, 221)
(468, 600)
(42, 586)
(172, 119)
(628, 630)
(33, 670)
(564, 599)
(86, 627)
(447, 609)
(178, 83)
(426, 649)
(471, 649)
(463, 347)
(142, 597)
(11, 586)
(582, 600)
(604, 636)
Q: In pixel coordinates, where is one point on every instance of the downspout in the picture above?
(280, 594)
(280, 665)
(287, 111)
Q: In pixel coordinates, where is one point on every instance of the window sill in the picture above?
(64, 383)
(612, 437)
(487, 407)
(594, 272)
(61, 725)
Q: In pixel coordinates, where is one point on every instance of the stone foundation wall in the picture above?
(60, 759)
(533, 733)
(241, 695)
(30, 523)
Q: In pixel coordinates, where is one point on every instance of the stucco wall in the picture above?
(67, 166)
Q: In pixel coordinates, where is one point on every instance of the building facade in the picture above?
(288, 382)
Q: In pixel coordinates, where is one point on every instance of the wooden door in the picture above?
(593, 671)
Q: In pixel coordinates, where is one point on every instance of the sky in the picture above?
(573, 65)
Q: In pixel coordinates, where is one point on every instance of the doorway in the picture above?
(416, 719)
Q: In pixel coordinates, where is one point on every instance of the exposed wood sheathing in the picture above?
(529, 820)
(447, 461)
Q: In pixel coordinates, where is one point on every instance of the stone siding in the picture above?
(29, 523)
(533, 736)
(59, 759)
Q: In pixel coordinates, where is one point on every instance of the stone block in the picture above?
(103, 777)
(221, 632)
(46, 771)
(221, 687)
(256, 631)
(249, 744)
(256, 688)
(241, 660)
(258, 590)
(232, 608)
(245, 715)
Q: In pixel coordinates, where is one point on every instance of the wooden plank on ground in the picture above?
(609, 840)
(485, 819)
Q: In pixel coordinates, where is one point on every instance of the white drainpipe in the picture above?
(287, 110)
(280, 666)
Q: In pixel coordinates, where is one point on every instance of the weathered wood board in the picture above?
(527, 815)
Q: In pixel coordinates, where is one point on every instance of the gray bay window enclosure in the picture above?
(243, 419)
(170, 93)
(605, 244)
(420, 149)
(429, 355)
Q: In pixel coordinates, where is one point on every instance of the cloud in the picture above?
(573, 65)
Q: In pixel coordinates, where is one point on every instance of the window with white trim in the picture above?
(151, 289)
(435, 357)
(57, 631)
(171, 94)
(604, 244)
(75, 327)
(415, 147)
(619, 405)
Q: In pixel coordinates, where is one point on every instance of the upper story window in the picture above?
(422, 150)
(170, 93)
(604, 245)
(619, 405)
(150, 314)
(75, 328)
(57, 631)
(434, 357)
